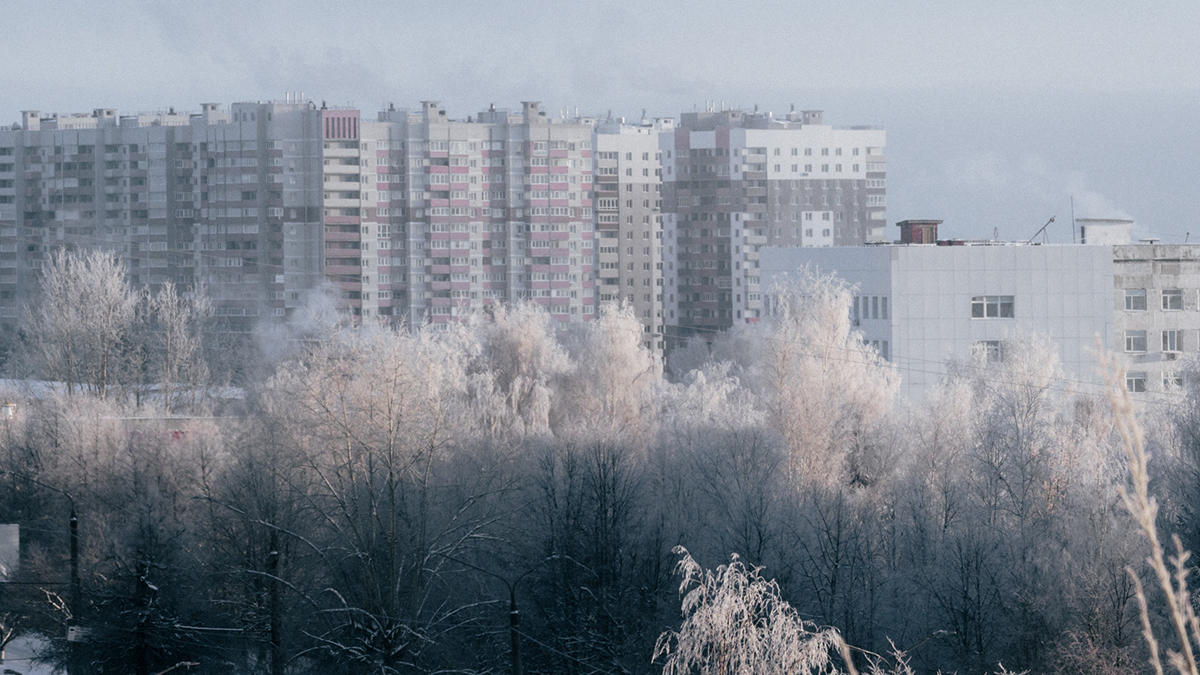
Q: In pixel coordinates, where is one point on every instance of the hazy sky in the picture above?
(996, 112)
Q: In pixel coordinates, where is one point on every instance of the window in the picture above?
(991, 350)
(1135, 382)
(1172, 300)
(1170, 341)
(1135, 299)
(1135, 341)
(1172, 380)
(993, 307)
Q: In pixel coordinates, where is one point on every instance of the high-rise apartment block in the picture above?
(629, 221)
(208, 197)
(736, 181)
(458, 215)
(412, 215)
(416, 216)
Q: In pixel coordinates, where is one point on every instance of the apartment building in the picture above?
(413, 215)
(192, 198)
(629, 220)
(1156, 312)
(455, 216)
(737, 181)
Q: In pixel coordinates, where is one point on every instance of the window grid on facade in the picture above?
(1135, 341)
(1135, 382)
(991, 350)
(1172, 300)
(1135, 299)
(992, 307)
(1170, 341)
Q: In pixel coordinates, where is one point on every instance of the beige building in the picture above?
(629, 220)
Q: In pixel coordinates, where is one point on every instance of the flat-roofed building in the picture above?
(629, 220)
(922, 305)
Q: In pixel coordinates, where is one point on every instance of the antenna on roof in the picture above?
(1043, 229)
(1072, 219)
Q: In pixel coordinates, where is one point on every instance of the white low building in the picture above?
(925, 304)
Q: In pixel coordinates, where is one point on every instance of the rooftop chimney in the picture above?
(530, 108)
(918, 231)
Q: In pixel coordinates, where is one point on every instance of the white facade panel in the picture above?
(1063, 293)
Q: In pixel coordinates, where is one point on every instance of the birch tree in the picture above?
(178, 325)
(83, 317)
(824, 390)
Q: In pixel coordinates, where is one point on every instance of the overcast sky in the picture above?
(997, 113)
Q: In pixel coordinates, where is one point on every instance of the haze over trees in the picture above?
(399, 501)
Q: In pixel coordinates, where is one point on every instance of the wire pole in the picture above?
(76, 605)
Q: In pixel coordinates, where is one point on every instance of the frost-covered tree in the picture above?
(522, 358)
(610, 390)
(178, 325)
(380, 422)
(83, 320)
(736, 623)
(824, 390)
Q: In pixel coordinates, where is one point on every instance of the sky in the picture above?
(998, 114)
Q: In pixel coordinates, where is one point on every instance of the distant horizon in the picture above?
(996, 115)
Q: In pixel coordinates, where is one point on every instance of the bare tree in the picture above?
(85, 314)
(823, 388)
(179, 323)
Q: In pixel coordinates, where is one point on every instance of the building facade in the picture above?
(1156, 312)
(629, 221)
(735, 182)
(191, 198)
(413, 215)
(923, 305)
(461, 215)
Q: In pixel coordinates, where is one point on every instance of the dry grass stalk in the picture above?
(1144, 509)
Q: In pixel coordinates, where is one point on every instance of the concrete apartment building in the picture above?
(629, 221)
(183, 197)
(735, 182)
(412, 215)
(1156, 311)
(460, 215)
